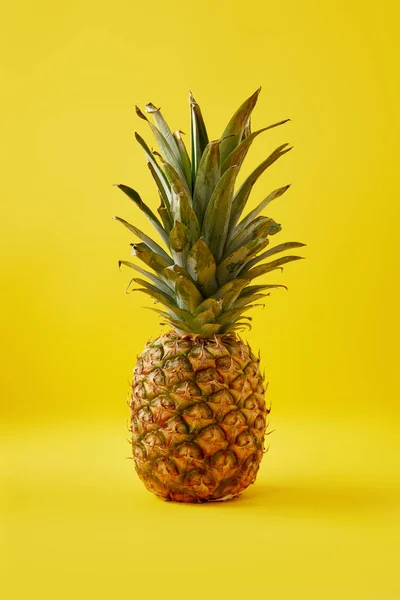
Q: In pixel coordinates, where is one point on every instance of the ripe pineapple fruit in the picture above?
(198, 414)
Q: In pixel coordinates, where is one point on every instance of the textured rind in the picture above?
(198, 417)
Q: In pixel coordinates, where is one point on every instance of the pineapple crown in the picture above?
(203, 275)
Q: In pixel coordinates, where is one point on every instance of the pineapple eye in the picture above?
(244, 439)
(259, 423)
(188, 450)
(167, 403)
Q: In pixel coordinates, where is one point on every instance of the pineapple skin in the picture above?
(198, 417)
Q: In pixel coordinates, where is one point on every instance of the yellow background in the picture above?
(322, 520)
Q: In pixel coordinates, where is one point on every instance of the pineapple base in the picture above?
(198, 417)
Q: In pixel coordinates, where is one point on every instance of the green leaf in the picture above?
(201, 267)
(164, 130)
(163, 299)
(187, 294)
(156, 280)
(256, 228)
(179, 326)
(165, 149)
(175, 181)
(231, 266)
(146, 239)
(208, 175)
(181, 202)
(254, 213)
(239, 326)
(156, 167)
(151, 259)
(230, 291)
(216, 219)
(271, 266)
(165, 196)
(183, 212)
(231, 316)
(179, 243)
(162, 313)
(272, 251)
(209, 304)
(239, 153)
(199, 137)
(153, 288)
(254, 289)
(246, 130)
(234, 130)
(243, 193)
(205, 316)
(185, 160)
(172, 273)
(209, 329)
(248, 299)
(165, 217)
(134, 196)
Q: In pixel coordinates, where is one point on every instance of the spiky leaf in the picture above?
(185, 160)
(164, 196)
(163, 299)
(171, 274)
(253, 289)
(243, 193)
(234, 130)
(175, 180)
(151, 259)
(145, 238)
(183, 212)
(275, 250)
(166, 150)
(271, 266)
(216, 220)
(239, 153)
(231, 266)
(231, 316)
(159, 284)
(165, 217)
(153, 288)
(248, 300)
(208, 175)
(247, 129)
(230, 291)
(152, 160)
(179, 243)
(210, 304)
(199, 137)
(259, 226)
(201, 267)
(206, 316)
(187, 294)
(256, 211)
(134, 196)
(164, 130)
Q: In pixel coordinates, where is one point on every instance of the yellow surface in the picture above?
(322, 521)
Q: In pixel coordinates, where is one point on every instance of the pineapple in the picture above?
(198, 414)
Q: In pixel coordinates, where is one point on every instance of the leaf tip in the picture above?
(151, 108)
(192, 100)
(139, 113)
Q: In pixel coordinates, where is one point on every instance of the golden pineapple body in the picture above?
(198, 417)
